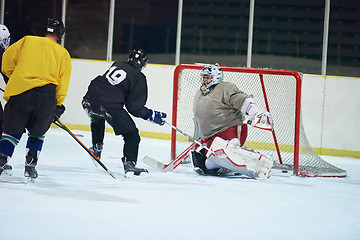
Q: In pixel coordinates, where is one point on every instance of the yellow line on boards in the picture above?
(167, 136)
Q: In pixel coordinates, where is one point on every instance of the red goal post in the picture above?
(277, 91)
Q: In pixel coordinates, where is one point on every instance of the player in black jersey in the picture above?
(122, 85)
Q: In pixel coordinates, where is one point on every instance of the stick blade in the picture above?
(152, 162)
(161, 166)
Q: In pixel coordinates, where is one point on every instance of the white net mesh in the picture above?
(283, 89)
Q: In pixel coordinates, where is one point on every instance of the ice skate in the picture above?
(30, 172)
(198, 162)
(4, 167)
(31, 161)
(96, 150)
(7, 170)
(131, 170)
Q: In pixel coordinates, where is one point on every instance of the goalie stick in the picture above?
(218, 152)
(189, 137)
(61, 125)
(170, 166)
(177, 161)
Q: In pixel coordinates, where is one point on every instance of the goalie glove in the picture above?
(257, 118)
(156, 117)
(263, 120)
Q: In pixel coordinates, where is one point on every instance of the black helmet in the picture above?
(138, 58)
(56, 27)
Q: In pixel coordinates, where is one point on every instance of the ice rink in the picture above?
(72, 199)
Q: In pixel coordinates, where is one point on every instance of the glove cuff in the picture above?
(148, 116)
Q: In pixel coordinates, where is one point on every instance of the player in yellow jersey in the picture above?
(39, 71)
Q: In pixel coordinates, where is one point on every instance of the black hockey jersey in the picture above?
(121, 85)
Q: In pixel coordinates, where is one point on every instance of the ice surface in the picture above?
(72, 199)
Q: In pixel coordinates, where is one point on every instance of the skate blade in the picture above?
(95, 162)
(141, 175)
(7, 172)
(29, 180)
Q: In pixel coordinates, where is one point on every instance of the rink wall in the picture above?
(330, 106)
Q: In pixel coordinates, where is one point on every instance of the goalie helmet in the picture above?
(211, 75)
(138, 58)
(4, 37)
(56, 27)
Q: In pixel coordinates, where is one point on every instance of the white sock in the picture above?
(210, 164)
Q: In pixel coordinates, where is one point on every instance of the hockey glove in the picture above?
(59, 110)
(263, 120)
(156, 117)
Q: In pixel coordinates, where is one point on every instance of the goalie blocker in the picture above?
(239, 159)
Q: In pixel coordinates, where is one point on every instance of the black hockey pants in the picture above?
(120, 120)
(32, 110)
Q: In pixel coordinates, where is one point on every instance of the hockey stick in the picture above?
(61, 125)
(177, 161)
(170, 166)
(218, 152)
(189, 137)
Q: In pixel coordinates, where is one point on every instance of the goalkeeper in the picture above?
(219, 110)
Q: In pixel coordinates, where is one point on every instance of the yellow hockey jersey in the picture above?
(34, 62)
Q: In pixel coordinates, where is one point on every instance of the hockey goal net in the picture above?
(277, 91)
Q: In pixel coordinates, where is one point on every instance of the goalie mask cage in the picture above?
(278, 92)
